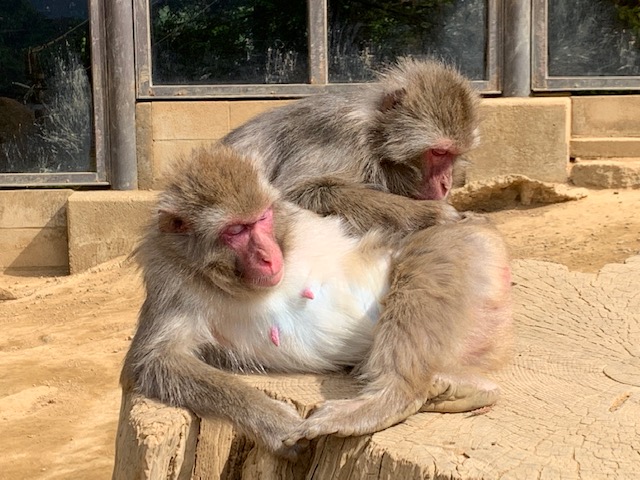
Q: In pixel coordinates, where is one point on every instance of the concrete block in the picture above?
(606, 116)
(527, 136)
(103, 225)
(38, 250)
(242, 111)
(605, 147)
(190, 120)
(606, 174)
(33, 208)
(33, 231)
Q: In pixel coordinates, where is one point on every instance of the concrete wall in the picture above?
(33, 231)
(56, 231)
(529, 136)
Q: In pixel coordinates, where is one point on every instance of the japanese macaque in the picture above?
(240, 280)
(369, 154)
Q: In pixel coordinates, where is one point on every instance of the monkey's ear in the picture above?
(170, 222)
(391, 99)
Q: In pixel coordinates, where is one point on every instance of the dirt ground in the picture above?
(63, 339)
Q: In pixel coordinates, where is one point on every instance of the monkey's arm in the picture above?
(365, 208)
(167, 368)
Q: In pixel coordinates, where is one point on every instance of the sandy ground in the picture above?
(63, 339)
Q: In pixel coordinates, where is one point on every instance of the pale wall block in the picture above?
(33, 231)
(190, 120)
(41, 250)
(106, 224)
(606, 116)
(527, 136)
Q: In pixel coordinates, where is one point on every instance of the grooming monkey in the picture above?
(369, 154)
(240, 280)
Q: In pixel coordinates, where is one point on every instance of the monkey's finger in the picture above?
(309, 432)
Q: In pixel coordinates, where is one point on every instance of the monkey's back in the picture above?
(321, 135)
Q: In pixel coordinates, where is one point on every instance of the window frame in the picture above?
(99, 109)
(318, 65)
(542, 82)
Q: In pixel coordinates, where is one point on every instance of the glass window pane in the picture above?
(594, 37)
(45, 90)
(367, 34)
(229, 41)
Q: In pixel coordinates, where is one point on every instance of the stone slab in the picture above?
(34, 249)
(33, 208)
(605, 116)
(190, 120)
(526, 136)
(601, 147)
(104, 225)
(606, 174)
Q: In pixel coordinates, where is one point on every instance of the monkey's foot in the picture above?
(352, 417)
(453, 394)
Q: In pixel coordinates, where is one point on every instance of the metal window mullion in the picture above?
(99, 87)
(318, 42)
(122, 96)
(517, 48)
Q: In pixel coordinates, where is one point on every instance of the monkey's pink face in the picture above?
(259, 257)
(437, 173)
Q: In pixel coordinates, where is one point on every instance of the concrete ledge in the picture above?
(606, 116)
(33, 231)
(526, 136)
(606, 147)
(104, 225)
(606, 174)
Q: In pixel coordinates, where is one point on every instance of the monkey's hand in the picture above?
(444, 213)
(453, 394)
(274, 425)
(351, 417)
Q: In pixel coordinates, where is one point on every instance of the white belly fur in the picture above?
(332, 330)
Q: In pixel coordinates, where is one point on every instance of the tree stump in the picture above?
(570, 407)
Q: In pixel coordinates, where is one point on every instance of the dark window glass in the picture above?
(365, 35)
(45, 90)
(229, 41)
(594, 37)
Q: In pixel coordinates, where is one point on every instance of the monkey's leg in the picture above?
(460, 393)
(369, 412)
(397, 373)
(365, 208)
(443, 312)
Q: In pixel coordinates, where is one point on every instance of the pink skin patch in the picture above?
(437, 173)
(506, 277)
(259, 256)
(307, 293)
(274, 334)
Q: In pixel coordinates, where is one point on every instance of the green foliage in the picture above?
(196, 40)
(23, 27)
(629, 14)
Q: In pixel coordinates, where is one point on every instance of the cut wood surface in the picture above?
(570, 407)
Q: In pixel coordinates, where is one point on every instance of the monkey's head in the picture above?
(427, 117)
(216, 220)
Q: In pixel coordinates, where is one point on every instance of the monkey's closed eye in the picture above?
(234, 230)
